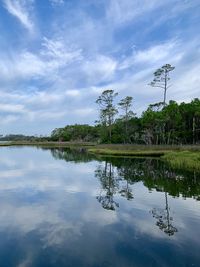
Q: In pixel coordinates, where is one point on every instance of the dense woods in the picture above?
(170, 124)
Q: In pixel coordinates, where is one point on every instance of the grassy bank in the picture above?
(189, 160)
(184, 157)
(133, 153)
(48, 144)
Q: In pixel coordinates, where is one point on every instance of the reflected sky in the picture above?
(66, 208)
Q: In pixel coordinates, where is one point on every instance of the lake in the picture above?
(62, 207)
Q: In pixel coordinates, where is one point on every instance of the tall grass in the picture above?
(183, 160)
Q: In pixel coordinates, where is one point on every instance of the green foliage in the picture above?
(172, 124)
(108, 110)
(77, 132)
(184, 160)
(21, 137)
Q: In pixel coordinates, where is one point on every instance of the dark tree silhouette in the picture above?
(125, 104)
(109, 185)
(164, 220)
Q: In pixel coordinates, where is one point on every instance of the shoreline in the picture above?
(184, 157)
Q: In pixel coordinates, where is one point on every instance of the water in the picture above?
(68, 208)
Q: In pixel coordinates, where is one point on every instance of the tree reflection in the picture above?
(154, 174)
(164, 220)
(118, 175)
(76, 154)
(126, 191)
(125, 175)
(109, 185)
(157, 175)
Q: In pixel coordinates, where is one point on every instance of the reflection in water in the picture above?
(76, 155)
(117, 175)
(157, 175)
(63, 207)
(164, 220)
(109, 185)
(125, 174)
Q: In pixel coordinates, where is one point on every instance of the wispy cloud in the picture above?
(158, 53)
(56, 2)
(51, 57)
(21, 10)
(127, 10)
(101, 68)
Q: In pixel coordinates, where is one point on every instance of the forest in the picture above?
(170, 124)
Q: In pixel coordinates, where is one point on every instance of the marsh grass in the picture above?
(137, 153)
(183, 160)
(179, 157)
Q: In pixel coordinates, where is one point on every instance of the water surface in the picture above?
(66, 208)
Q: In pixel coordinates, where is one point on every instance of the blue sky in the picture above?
(57, 56)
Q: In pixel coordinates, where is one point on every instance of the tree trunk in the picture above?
(193, 130)
(165, 88)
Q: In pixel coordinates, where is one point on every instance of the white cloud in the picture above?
(72, 93)
(12, 108)
(25, 65)
(101, 68)
(124, 11)
(155, 53)
(84, 112)
(56, 2)
(158, 54)
(21, 10)
(58, 52)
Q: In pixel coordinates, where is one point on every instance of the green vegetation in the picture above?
(48, 144)
(136, 153)
(186, 157)
(172, 124)
(24, 138)
(77, 132)
(183, 160)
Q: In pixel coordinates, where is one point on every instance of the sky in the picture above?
(57, 56)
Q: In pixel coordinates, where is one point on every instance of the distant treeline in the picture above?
(168, 124)
(21, 137)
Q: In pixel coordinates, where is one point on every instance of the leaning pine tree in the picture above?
(161, 79)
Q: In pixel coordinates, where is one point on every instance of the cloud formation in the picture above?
(21, 9)
(52, 78)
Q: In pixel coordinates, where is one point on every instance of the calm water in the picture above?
(67, 208)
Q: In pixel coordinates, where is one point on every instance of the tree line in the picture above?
(161, 123)
(172, 124)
